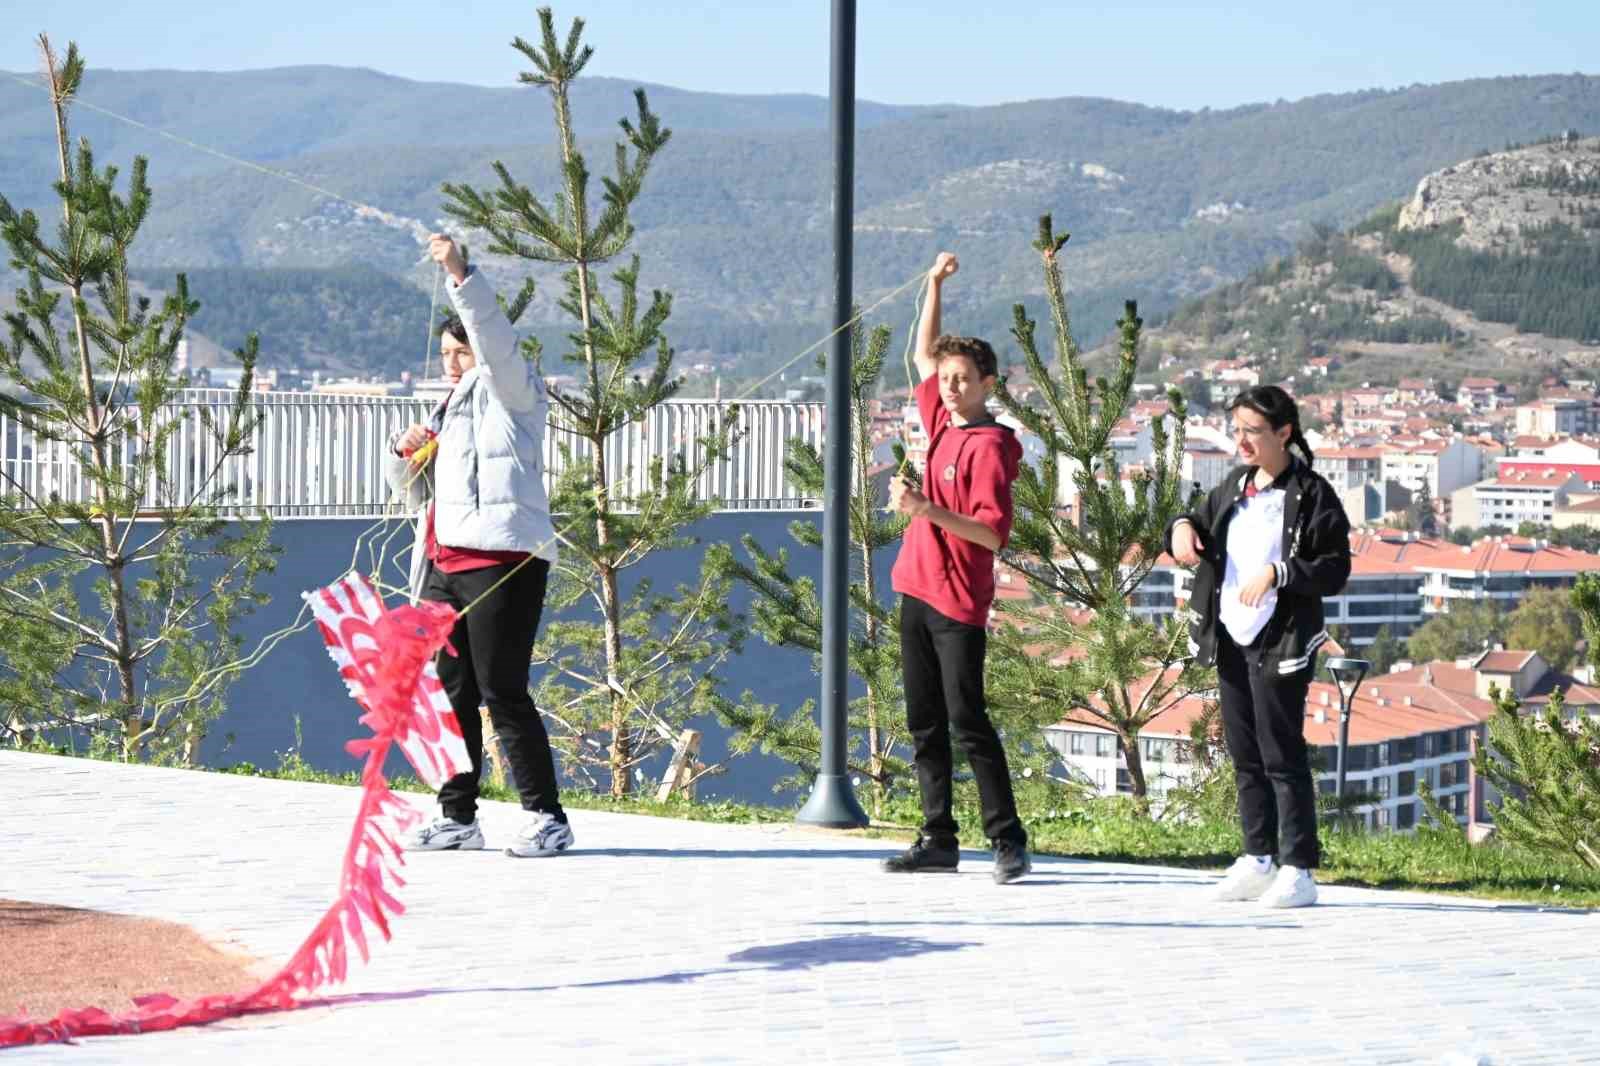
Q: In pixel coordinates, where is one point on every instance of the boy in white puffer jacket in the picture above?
(484, 530)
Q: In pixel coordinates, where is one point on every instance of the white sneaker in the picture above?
(541, 835)
(444, 834)
(1293, 887)
(1245, 879)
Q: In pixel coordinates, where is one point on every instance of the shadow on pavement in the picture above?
(1064, 923)
(791, 956)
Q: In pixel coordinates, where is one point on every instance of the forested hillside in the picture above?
(1163, 205)
(1492, 267)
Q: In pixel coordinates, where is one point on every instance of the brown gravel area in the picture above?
(52, 958)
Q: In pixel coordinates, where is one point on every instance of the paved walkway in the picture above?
(660, 941)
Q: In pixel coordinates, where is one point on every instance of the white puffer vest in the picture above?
(487, 478)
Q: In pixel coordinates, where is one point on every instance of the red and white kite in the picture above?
(386, 659)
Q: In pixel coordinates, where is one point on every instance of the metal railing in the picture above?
(314, 455)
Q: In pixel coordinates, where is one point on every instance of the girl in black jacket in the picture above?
(1268, 544)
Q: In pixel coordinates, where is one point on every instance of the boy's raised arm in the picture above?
(928, 326)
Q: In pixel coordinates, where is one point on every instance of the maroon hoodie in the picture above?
(970, 470)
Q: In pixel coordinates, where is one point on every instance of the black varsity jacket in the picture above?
(1316, 563)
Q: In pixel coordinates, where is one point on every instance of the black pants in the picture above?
(493, 642)
(1264, 721)
(943, 663)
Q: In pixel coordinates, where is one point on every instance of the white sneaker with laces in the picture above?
(445, 834)
(1293, 887)
(540, 836)
(1245, 879)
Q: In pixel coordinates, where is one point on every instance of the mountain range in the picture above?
(1163, 205)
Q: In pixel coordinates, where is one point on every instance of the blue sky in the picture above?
(1184, 55)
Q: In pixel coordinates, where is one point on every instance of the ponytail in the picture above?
(1298, 440)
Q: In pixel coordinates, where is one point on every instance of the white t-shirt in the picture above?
(1255, 541)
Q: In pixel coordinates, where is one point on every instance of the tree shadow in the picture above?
(794, 955)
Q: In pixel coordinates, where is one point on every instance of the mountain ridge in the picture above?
(1164, 205)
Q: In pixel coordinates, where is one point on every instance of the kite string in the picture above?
(854, 319)
(419, 231)
(416, 227)
(433, 309)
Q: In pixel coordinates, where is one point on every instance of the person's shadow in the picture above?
(790, 956)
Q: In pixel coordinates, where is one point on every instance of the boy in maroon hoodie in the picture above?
(945, 577)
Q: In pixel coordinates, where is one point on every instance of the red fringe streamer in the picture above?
(385, 657)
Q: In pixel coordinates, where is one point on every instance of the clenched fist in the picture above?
(442, 250)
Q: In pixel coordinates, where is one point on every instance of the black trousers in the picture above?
(493, 642)
(943, 663)
(1264, 722)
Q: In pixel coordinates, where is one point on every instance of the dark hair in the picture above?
(452, 324)
(1278, 408)
(978, 351)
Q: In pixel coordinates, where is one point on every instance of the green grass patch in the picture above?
(1113, 830)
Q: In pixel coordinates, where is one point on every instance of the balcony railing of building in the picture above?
(314, 455)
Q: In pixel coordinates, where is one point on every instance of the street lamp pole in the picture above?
(1347, 675)
(832, 801)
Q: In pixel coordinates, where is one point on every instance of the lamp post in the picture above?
(1347, 675)
(832, 801)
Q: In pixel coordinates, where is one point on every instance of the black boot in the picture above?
(1010, 861)
(926, 856)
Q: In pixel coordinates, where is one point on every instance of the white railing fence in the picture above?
(317, 456)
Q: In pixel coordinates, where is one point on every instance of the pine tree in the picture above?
(1421, 513)
(787, 611)
(617, 690)
(1114, 668)
(1546, 767)
(106, 626)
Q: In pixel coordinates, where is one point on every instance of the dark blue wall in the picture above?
(298, 679)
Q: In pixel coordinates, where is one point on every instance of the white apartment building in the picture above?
(1556, 417)
(1443, 465)
(1501, 569)
(1349, 468)
(1516, 496)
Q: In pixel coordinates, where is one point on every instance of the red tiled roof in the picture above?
(1546, 478)
(1385, 551)
(1512, 465)
(1502, 662)
(1513, 555)
(1382, 711)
